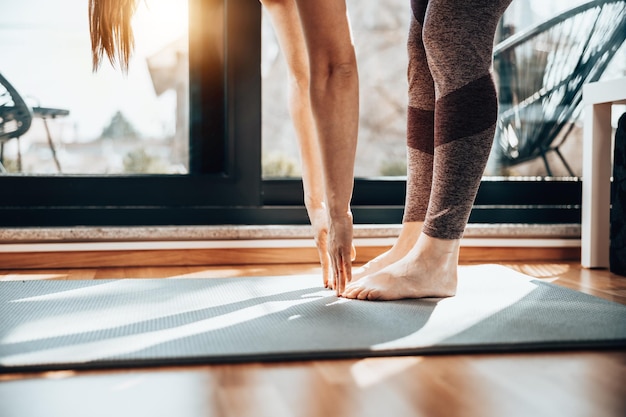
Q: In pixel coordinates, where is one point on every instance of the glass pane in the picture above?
(106, 122)
(544, 62)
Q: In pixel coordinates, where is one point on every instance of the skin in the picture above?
(406, 240)
(428, 269)
(323, 100)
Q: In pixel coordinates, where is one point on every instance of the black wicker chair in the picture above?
(541, 72)
(16, 117)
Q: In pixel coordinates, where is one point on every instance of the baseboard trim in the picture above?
(250, 252)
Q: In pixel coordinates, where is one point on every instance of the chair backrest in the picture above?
(541, 72)
(15, 115)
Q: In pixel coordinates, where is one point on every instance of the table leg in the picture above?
(596, 198)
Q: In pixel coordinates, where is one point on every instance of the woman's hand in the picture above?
(341, 250)
(335, 260)
(319, 222)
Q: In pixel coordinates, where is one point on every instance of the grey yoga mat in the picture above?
(47, 325)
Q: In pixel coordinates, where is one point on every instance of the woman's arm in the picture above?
(335, 104)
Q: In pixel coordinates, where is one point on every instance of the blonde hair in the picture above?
(111, 31)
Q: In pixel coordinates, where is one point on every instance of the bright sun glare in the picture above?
(159, 22)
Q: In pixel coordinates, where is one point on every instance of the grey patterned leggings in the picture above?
(452, 110)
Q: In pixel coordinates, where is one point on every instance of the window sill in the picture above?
(238, 233)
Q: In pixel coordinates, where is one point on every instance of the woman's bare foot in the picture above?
(428, 270)
(406, 240)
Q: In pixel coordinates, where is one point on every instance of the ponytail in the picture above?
(111, 31)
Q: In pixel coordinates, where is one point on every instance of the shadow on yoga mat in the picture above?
(47, 325)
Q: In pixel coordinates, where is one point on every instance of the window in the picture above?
(216, 184)
(198, 132)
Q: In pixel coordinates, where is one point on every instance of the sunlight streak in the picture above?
(546, 270)
(118, 346)
(129, 383)
(136, 301)
(472, 304)
(31, 277)
(159, 22)
(372, 371)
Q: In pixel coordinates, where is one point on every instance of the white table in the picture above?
(598, 98)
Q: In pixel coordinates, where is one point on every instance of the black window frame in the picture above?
(225, 183)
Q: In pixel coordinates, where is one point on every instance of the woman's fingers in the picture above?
(341, 250)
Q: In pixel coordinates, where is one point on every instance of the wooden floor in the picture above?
(579, 383)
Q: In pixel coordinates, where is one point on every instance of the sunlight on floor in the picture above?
(128, 344)
(483, 291)
(130, 302)
(210, 273)
(372, 371)
(248, 271)
(31, 277)
(547, 270)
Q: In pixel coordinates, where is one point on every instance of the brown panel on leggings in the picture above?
(466, 111)
(420, 128)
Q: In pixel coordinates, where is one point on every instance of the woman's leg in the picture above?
(420, 144)
(458, 38)
(334, 95)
